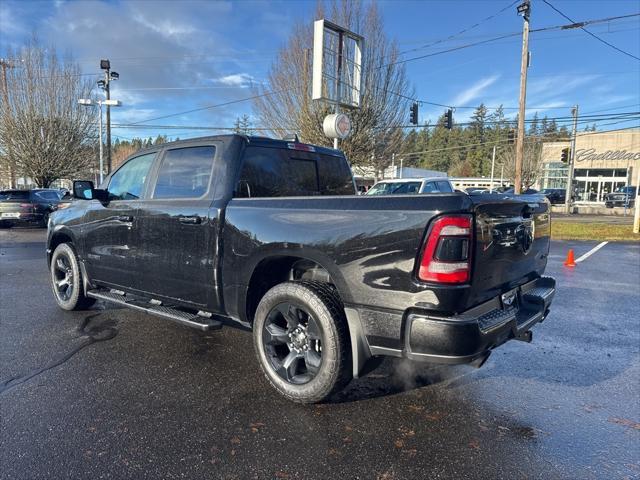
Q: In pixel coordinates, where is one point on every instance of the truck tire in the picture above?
(66, 279)
(301, 337)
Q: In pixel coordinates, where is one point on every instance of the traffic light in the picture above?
(413, 113)
(564, 157)
(511, 136)
(448, 119)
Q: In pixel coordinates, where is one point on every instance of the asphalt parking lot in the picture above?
(111, 393)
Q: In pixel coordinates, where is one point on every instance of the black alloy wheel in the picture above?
(66, 279)
(302, 341)
(63, 277)
(292, 340)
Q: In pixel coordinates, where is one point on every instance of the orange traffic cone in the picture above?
(570, 262)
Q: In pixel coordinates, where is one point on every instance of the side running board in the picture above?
(200, 321)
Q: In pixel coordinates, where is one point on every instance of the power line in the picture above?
(578, 25)
(194, 87)
(561, 120)
(240, 100)
(614, 108)
(509, 35)
(450, 37)
(584, 119)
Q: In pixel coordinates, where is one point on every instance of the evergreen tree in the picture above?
(438, 158)
(544, 126)
(243, 125)
(477, 154)
(533, 126)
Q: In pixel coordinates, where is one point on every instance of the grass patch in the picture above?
(592, 231)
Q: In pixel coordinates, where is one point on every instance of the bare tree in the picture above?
(44, 133)
(385, 98)
(531, 165)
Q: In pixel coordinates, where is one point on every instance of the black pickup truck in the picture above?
(269, 236)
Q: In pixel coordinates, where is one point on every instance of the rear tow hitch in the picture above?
(524, 336)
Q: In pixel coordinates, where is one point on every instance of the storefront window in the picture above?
(554, 175)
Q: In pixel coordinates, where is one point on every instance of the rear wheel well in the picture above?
(275, 270)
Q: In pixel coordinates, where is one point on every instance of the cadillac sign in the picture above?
(589, 154)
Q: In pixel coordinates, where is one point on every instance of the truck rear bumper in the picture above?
(463, 338)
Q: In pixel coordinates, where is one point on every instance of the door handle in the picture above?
(195, 220)
(124, 218)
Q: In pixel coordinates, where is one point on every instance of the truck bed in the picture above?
(369, 246)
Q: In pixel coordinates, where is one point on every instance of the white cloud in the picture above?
(9, 24)
(475, 91)
(236, 80)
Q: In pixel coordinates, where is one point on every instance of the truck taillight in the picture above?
(446, 256)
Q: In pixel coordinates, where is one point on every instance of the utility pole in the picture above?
(5, 96)
(524, 9)
(636, 214)
(493, 164)
(572, 157)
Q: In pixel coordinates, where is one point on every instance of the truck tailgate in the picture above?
(511, 243)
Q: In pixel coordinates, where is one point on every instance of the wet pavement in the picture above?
(111, 393)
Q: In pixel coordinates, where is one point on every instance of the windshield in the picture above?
(394, 188)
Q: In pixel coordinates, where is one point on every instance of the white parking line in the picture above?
(591, 252)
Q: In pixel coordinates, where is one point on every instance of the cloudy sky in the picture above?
(175, 56)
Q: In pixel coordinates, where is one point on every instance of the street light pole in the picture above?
(87, 102)
(100, 143)
(524, 9)
(105, 85)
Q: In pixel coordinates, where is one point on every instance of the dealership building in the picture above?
(604, 161)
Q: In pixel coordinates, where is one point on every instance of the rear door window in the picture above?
(444, 187)
(278, 172)
(185, 172)
(430, 187)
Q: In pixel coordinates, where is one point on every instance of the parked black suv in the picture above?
(27, 206)
(269, 236)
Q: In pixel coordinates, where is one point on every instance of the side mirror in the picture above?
(83, 189)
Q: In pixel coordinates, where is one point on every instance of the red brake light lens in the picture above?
(301, 146)
(446, 256)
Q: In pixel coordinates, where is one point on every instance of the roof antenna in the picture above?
(292, 137)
